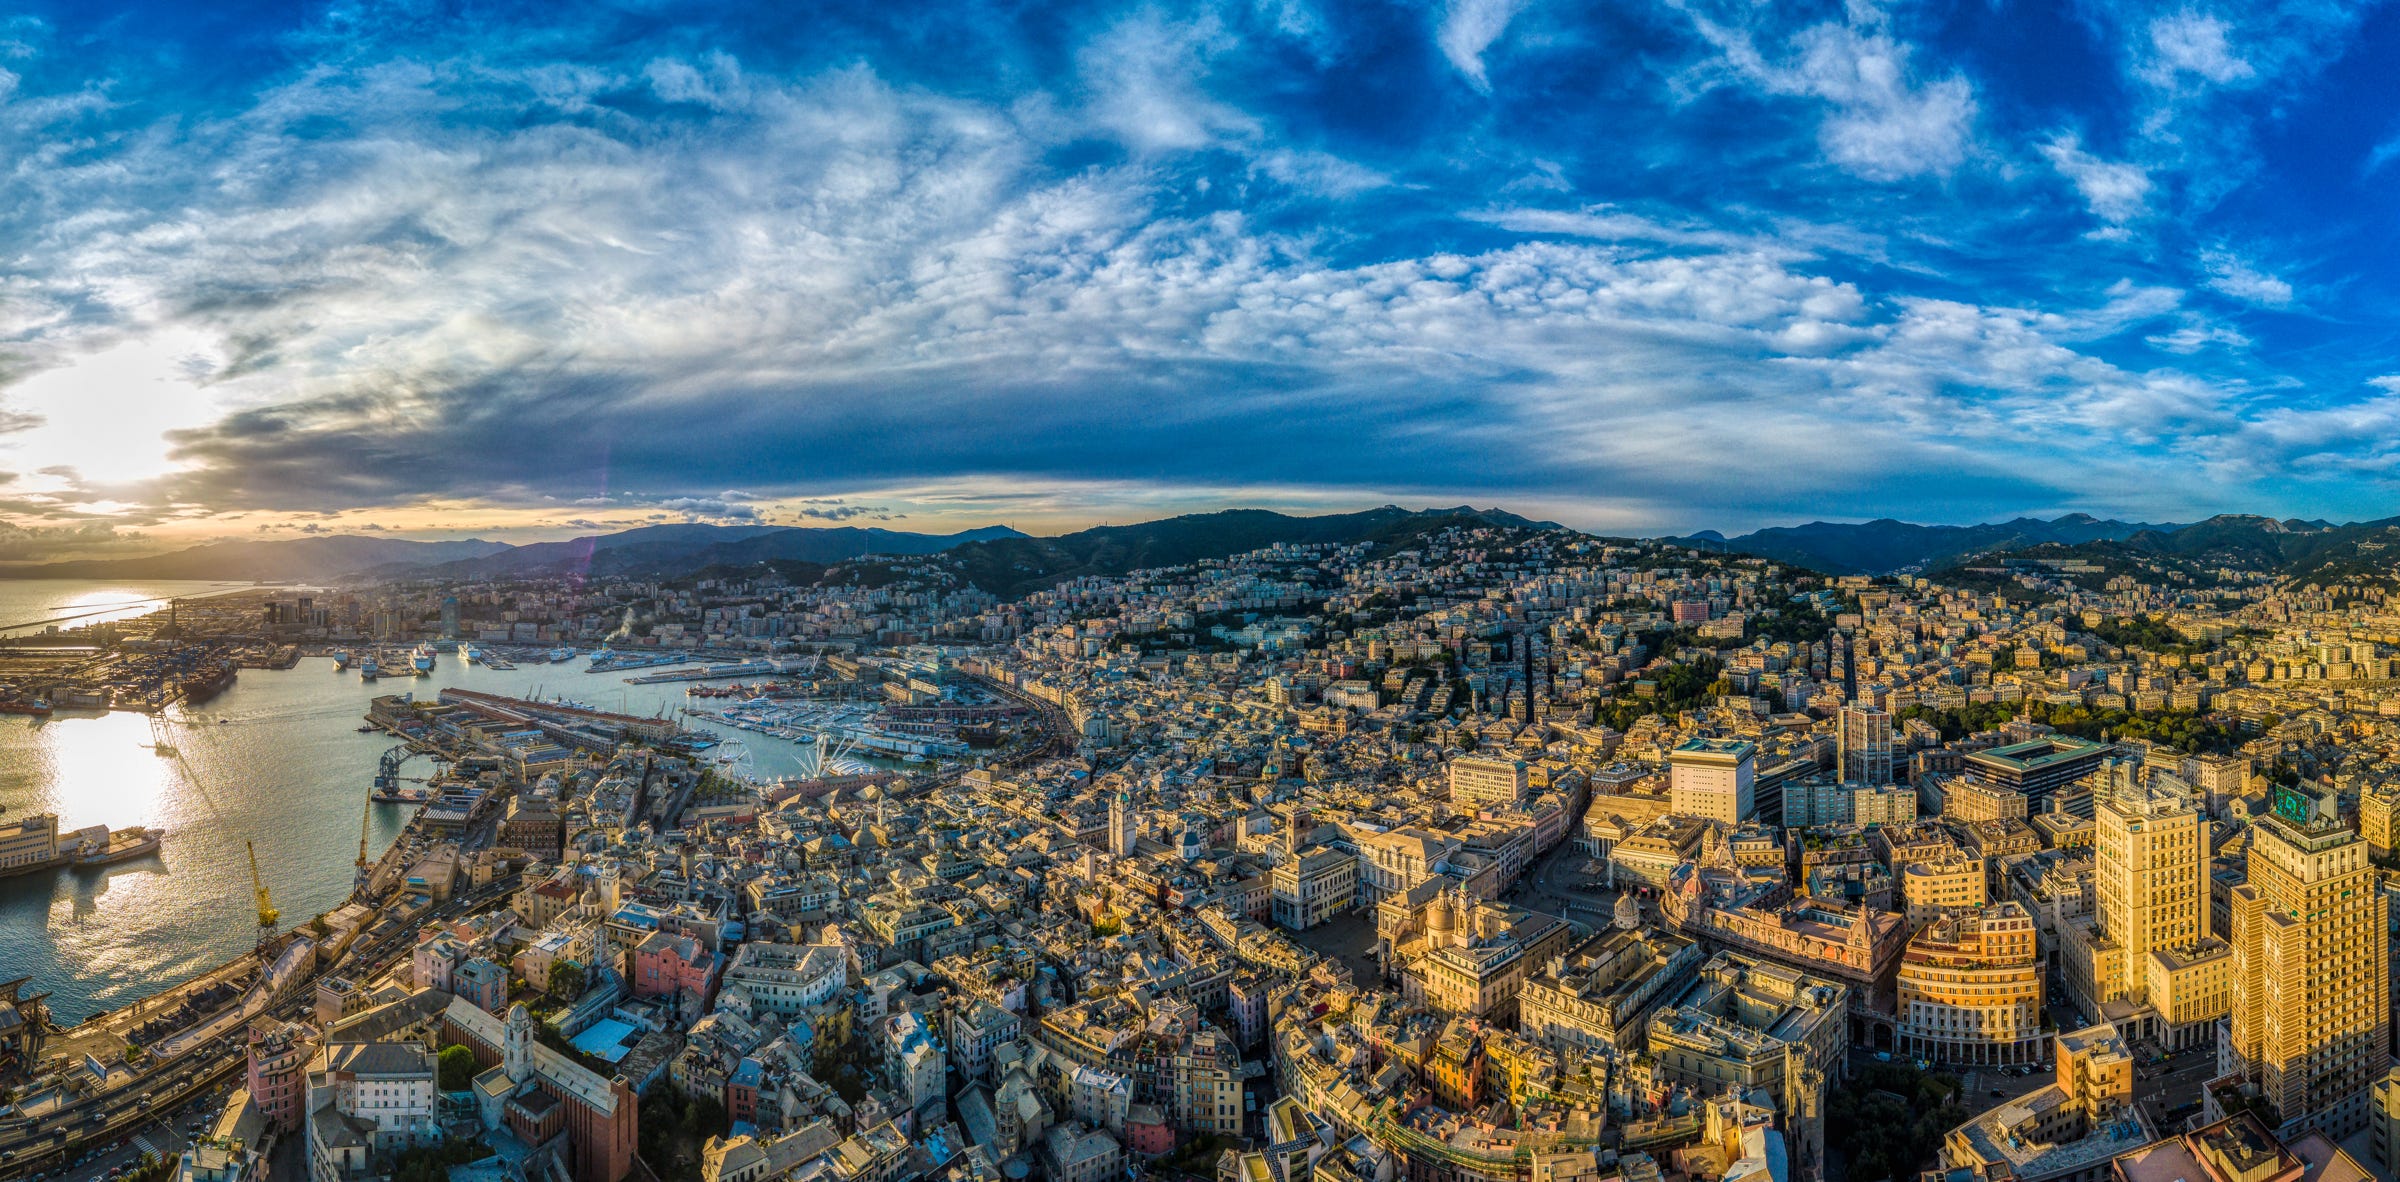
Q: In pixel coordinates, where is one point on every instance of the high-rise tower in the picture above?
(1866, 743)
(2312, 955)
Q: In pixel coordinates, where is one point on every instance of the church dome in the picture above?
(1439, 917)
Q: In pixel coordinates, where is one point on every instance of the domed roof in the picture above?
(1439, 917)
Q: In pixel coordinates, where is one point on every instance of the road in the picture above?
(2161, 1088)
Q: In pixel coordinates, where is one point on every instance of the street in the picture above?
(2173, 1087)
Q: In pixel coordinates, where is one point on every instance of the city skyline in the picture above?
(288, 269)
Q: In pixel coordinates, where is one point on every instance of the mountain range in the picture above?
(995, 557)
(2294, 549)
(1883, 546)
(1012, 564)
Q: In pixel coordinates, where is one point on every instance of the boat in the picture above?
(561, 655)
(122, 845)
(368, 670)
(32, 706)
(469, 653)
(422, 659)
(341, 660)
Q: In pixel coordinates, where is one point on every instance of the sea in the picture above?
(274, 763)
(28, 605)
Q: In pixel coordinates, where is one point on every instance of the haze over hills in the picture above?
(661, 550)
(297, 559)
(649, 549)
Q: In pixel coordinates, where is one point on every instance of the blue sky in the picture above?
(437, 267)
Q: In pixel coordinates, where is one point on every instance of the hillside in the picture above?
(2298, 551)
(1883, 546)
(1997, 571)
(1014, 567)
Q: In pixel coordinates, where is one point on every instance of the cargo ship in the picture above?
(122, 845)
(33, 706)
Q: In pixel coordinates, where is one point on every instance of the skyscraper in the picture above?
(1866, 744)
(2312, 955)
(2148, 940)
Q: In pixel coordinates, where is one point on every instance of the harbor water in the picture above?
(276, 760)
(29, 605)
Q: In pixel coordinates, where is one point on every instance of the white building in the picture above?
(1713, 779)
(368, 1098)
(1478, 782)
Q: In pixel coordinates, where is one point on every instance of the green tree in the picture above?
(457, 1068)
(566, 980)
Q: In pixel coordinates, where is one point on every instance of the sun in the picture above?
(106, 414)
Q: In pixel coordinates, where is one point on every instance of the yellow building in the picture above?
(2378, 808)
(1970, 989)
(2311, 970)
(1475, 954)
(1952, 881)
(2150, 921)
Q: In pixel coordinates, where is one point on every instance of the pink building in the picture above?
(278, 1070)
(664, 965)
(1147, 1132)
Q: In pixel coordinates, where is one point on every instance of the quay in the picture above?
(32, 844)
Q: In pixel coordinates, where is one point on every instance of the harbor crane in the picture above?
(366, 814)
(267, 915)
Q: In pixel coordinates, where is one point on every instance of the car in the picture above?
(1997, 1093)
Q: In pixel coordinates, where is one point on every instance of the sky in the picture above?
(526, 271)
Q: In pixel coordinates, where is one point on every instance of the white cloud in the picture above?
(2230, 274)
(2191, 42)
(2193, 337)
(1144, 77)
(2117, 192)
(1882, 122)
(1469, 27)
